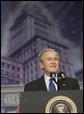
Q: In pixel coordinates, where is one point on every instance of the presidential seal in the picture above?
(61, 104)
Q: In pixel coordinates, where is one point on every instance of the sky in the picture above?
(67, 16)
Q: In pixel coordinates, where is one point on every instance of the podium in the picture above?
(52, 102)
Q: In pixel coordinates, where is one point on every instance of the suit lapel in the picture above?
(42, 84)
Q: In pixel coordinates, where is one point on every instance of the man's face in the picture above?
(50, 62)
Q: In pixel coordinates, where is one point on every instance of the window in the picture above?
(13, 68)
(17, 82)
(18, 69)
(31, 65)
(8, 66)
(3, 64)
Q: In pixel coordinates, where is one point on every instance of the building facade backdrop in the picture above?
(31, 32)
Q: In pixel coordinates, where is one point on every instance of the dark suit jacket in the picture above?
(64, 84)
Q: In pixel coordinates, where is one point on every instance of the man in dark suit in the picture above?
(49, 62)
(39, 85)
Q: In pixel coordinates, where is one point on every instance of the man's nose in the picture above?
(53, 61)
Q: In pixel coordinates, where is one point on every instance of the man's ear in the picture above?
(41, 64)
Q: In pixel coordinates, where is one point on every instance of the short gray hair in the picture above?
(43, 51)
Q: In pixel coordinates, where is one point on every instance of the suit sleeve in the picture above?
(30, 87)
(27, 88)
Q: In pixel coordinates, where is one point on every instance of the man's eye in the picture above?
(49, 59)
(56, 59)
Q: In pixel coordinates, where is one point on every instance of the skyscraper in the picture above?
(30, 33)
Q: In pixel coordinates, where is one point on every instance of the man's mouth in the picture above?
(53, 66)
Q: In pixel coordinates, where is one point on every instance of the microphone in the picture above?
(61, 75)
(54, 76)
(57, 76)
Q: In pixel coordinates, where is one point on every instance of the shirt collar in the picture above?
(46, 77)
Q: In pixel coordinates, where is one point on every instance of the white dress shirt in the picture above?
(46, 78)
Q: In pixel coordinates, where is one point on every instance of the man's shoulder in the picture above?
(35, 85)
(72, 82)
(70, 78)
(35, 81)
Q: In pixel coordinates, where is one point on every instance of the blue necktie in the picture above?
(51, 85)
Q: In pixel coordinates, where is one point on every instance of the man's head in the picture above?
(49, 61)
